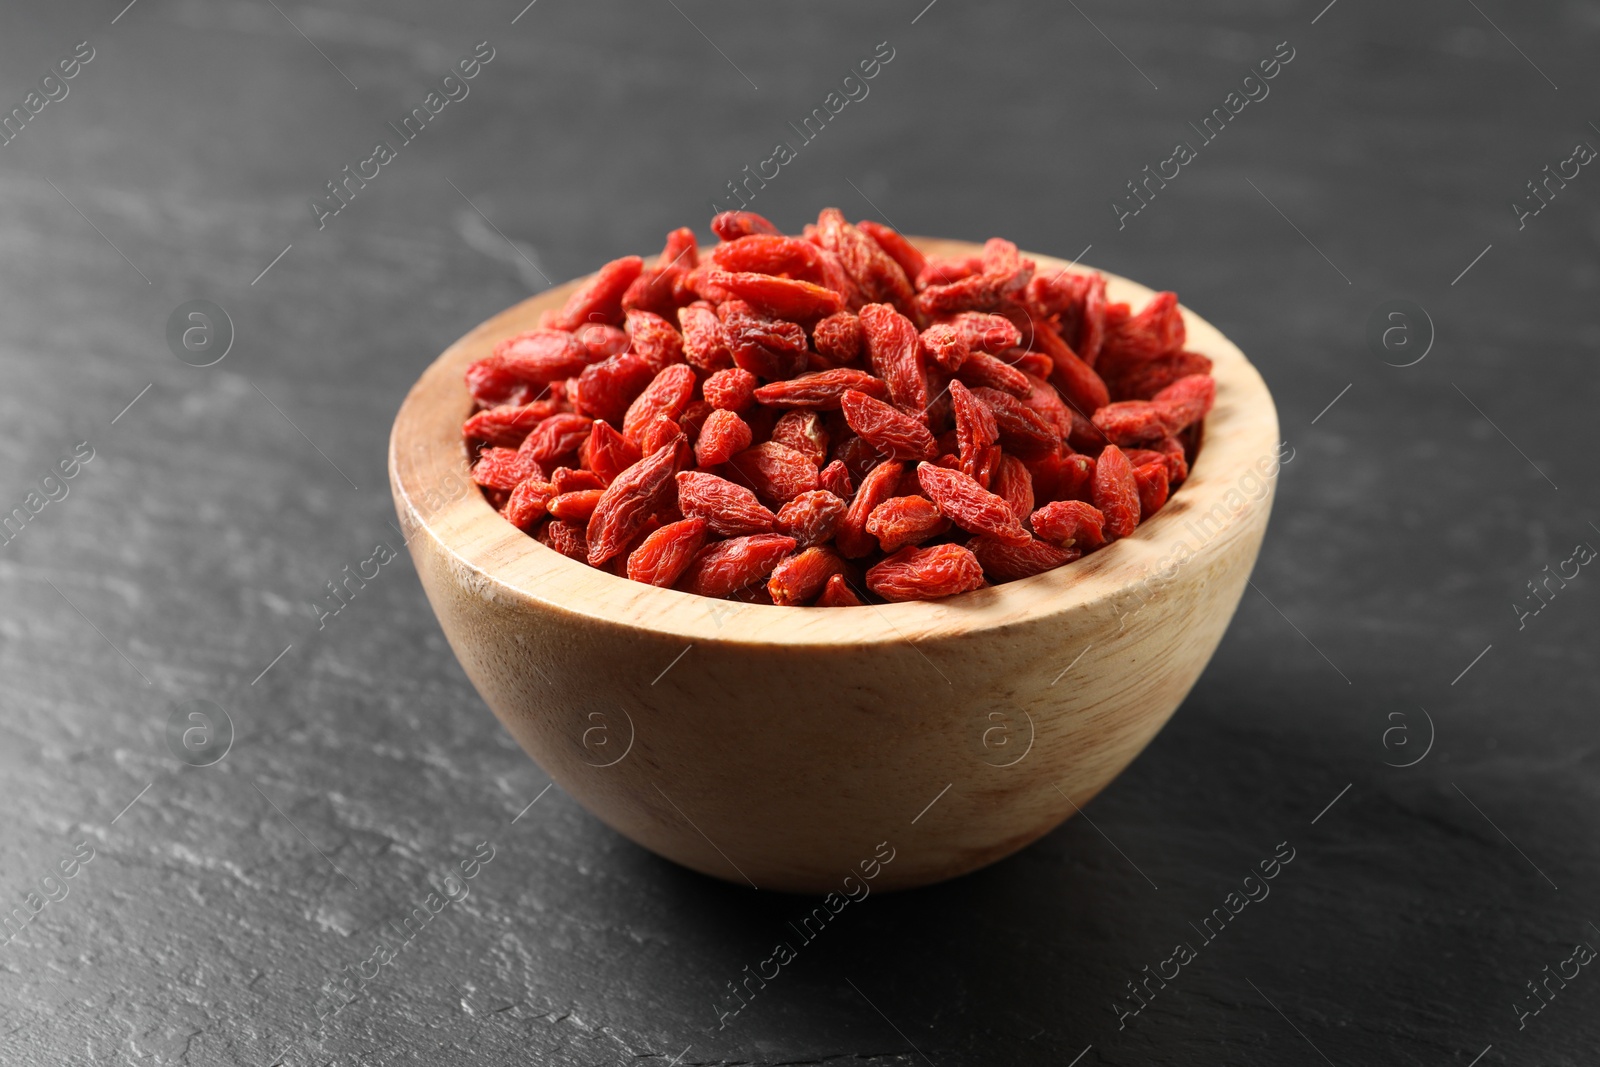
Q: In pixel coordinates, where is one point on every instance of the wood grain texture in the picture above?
(780, 746)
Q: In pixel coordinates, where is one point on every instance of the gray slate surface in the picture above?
(188, 551)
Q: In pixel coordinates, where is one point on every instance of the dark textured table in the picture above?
(1388, 708)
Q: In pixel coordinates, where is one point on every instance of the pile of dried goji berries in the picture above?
(831, 417)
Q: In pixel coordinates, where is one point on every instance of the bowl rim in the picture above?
(438, 503)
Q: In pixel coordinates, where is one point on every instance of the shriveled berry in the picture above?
(835, 478)
(946, 345)
(820, 390)
(507, 427)
(879, 485)
(969, 505)
(705, 346)
(777, 472)
(654, 339)
(797, 579)
(879, 277)
(895, 350)
(837, 338)
(528, 503)
(729, 509)
(566, 538)
(1188, 400)
(557, 436)
(811, 518)
(890, 432)
(605, 389)
(667, 394)
(575, 506)
(1004, 562)
(905, 520)
(838, 594)
(783, 298)
(1151, 480)
(902, 251)
(1070, 524)
(663, 556)
(728, 566)
(607, 452)
(1116, 494)
(732, 389)
(631, 499)
(504, 468)
(804, 432)
(926, 573)
(723, 436)
(1014, 484)
(599, 300)
(1023, 431)
(1130, 422)
(981, 370)
(732, 225)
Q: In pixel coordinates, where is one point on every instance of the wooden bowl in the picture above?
(795, 748)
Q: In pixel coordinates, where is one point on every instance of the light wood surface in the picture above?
(780, 746)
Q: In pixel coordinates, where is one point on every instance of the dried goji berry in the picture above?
(1014, 484)
(600, 300)
(566, 538)
(654, 339)
(899, 249)
(667, 394)
(837, 338)
(705, 346)
(783, 298)
(726, 567)
(605, 389)
(905, 520)
(602, 341)
(729, 509)
(879, 277)
(804, 432)
(732, 389)
(661, 430)
(969, 505)
(890, 432)
(1188, 400)
(835, 478)
(765, 253)
(838, 594)
(1004, 562)
(797, 579)
(663, 556)
(1115, 492)
(1151, 480)
(632, 498)
(765, 347)
(926, 573)
(852, 538)
(607, 452)
(575, 506)
(986, 332)
(528, 502)
(723, 436)
(981, 370)
(811, 518)
(504, 468)
(1023, 431)
(895, 349)
(570, 480)
(508, 426)
(946, 345)
(776, 472)
(1142, 381)
(557, 436)
(1129, 422)
(732, 225)
(820, 389)
(1070, 524)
